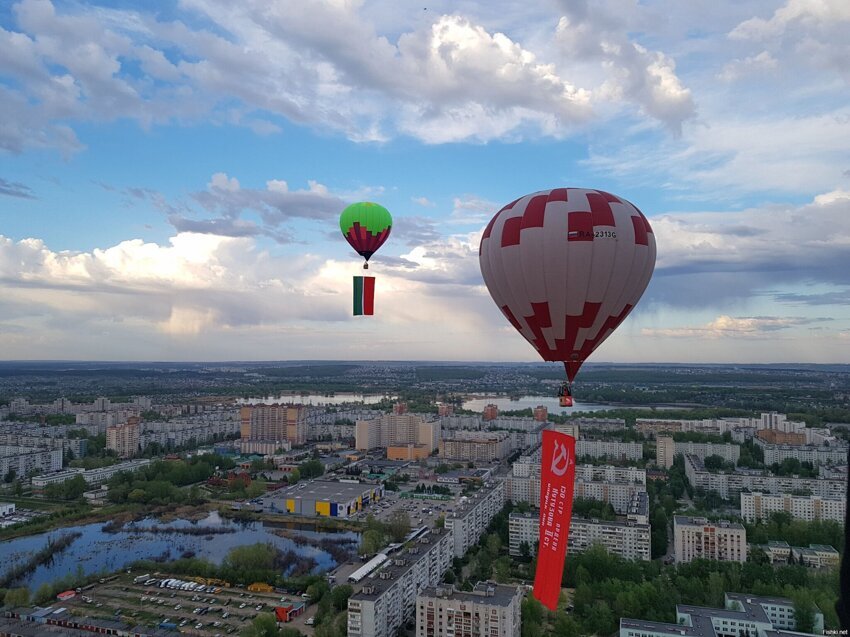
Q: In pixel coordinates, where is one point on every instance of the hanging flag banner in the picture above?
(557, 477)
(364, 295)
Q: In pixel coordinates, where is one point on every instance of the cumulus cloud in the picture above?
(739, 69)
(597, 32)
(212, 297)
(325, 64)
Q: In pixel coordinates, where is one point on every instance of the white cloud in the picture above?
(732, 327)
(423, 201)
(736, 70)
(446, 79)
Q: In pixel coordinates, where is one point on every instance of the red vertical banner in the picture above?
(369, 295)
(557, 477)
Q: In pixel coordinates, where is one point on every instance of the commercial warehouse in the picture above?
(323, 498)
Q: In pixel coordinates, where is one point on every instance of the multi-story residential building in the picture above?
(476, 446)
(618, 494)
(461, 422)
(743, 614)
(569, 428)
(491, 412)
(77, 446)
(396, 430)
(611, 449)
(6, 509)
(470, 518)
(488, 610)
(776, 437)
(834, 454)
(759, 506)
(666, 449)
(274, 422)
(718, 426)
(697, 538)
(196, 430)
(732, 483)
(124, 439)
(517, 423)
(626, 538)
(387, 599)
(91, 476)
(445, 409)
(26, 460)
(540, 413)
(600, 424)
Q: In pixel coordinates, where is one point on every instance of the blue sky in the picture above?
(170, 180)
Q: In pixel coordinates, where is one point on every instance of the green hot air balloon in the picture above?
(365, 225)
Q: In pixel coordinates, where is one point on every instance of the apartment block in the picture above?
(610, 449)
(834, 454)
(93, 477)
(274, 422)
(628, 539)
(759, 506)
(387, 599)
(124, 439)
(26, 460)
(488, 610)
(732, 483)
(471, 517)
(666, 449)
(476, 446)
(77, 446)
(743, 614)
(396, 430)
(697, 538)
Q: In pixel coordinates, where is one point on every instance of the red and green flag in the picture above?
(364, 295)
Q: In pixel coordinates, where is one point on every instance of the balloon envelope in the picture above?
(365, 226)
(566, 266)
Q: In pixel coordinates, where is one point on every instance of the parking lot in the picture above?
(222, 612)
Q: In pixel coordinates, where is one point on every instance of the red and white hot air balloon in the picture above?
(566, 266)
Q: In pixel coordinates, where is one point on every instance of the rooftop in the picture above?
(322, 490)
(483, 593)
(683, 520)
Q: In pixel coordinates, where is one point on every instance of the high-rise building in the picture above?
(541, 413)
(396, 430)
(387, 598)
(399, 408)
(275, 422)
(488, 610)
(445, 409)
(697, 538)
(124, 439)
(472, 515)
(491, 412)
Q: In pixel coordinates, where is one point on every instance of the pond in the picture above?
(96, 550)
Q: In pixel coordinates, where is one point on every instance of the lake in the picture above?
(317, 399)
(96, 550)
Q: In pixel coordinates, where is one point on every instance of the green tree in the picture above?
(16, 597)
(263, 625)
(294, 476)
(398, 525)
(340, 595)
(371, 542)
(289, 631)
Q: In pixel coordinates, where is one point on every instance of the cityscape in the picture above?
(372, 318)
(341, 511)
